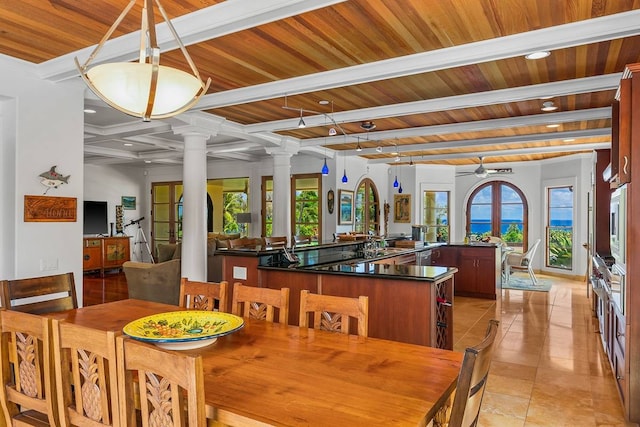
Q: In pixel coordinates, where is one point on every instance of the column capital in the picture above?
(194, 124)
(288, 146)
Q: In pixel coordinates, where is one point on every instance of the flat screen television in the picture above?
(95, 218)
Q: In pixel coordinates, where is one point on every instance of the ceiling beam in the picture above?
(478, 99)
(476, 126)
(578, 33)
(483, 142)
(204, 24)
(502, 153)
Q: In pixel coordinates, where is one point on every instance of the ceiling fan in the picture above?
(482, 172)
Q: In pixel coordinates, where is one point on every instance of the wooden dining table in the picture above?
(273, 374)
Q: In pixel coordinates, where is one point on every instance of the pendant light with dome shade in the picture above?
(144, 88)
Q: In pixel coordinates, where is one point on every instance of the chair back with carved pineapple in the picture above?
(472, 380)
(260, 303)
(85, 375)
(333, 313)
(53, 293)
(27, 393)
(196, 295)
(168, 385)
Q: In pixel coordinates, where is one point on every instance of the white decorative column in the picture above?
(282, 186)
(194, 201)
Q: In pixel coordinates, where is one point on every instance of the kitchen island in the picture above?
(407, 302)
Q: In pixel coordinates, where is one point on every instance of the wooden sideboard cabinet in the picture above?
(105, 253)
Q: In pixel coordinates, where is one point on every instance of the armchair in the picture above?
(154, 282)
(523, 262)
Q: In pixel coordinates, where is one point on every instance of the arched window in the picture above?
(367, 208)
(498, 208)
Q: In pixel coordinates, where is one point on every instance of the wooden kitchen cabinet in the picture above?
(479, 269)
(105, 253)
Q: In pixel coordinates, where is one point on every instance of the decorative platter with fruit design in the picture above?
(183, 330)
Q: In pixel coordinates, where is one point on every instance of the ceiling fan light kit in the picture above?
(483, 172)
(145, 88)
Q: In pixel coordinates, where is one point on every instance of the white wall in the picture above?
(532, 178)
(43, 126)
(110, 183)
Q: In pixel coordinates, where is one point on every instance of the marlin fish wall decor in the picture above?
(52, 179)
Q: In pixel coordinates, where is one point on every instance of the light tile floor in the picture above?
(549, 368)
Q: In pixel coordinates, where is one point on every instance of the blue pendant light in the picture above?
(400, 189)
(396, 183)
(325, 168)
(344, 177)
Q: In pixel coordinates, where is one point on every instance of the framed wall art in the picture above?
(346, 207)
(129, 203)
(402, 208)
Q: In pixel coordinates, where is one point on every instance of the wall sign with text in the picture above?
(50, 209)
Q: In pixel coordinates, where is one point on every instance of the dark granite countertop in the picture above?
(388, 271)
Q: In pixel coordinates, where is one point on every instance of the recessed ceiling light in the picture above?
(89, 111)
(549, 106)
(147, 161)
(323, 102)
(128, 144)
(569, 140)
(538, 55)
(553, 125)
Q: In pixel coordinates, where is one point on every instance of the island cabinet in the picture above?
(400, 309)
(479, 269)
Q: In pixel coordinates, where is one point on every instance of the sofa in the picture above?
(160, 282)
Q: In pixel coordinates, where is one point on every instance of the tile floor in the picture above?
(549, 368)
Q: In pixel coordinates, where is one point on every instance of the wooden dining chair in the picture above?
(196, 295)
(55, 293)
(85, 375)
(168, 385)
(275, 242)
(260, 303)
(472, 380)
(332, 313)
(27, 392)
(246, 243)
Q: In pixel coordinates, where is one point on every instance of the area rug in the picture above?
(523, 283)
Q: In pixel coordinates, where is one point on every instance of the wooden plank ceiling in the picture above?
(441, 80)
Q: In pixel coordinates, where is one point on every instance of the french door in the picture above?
(166, 213)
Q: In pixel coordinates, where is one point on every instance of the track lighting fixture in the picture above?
(301, 123)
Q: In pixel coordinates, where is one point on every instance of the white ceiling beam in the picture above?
(204, 24)
(482, 142)
(476, 126)
(558, 37)
(501, 153)
(478, 99)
